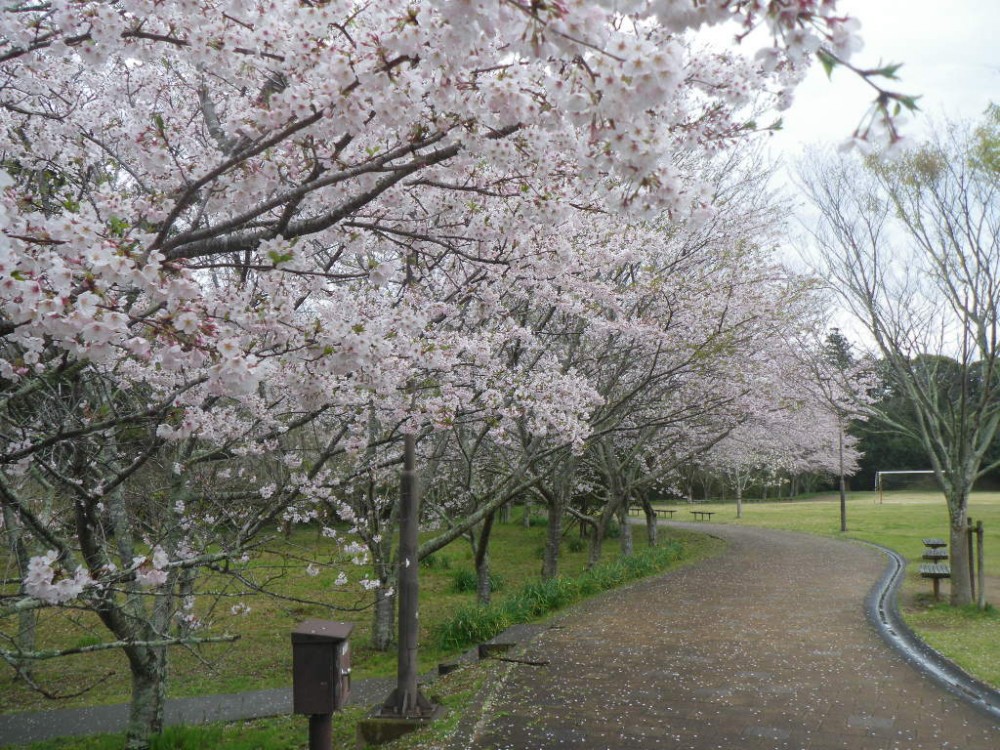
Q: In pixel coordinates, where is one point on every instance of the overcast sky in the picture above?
(950, 53)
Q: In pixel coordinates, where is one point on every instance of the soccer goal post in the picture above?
(879, 474)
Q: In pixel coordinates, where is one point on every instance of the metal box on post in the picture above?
(321, 666)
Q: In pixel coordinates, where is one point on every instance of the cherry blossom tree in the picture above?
(911, 245)
(231, 230)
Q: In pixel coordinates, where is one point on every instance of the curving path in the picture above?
(765, 647)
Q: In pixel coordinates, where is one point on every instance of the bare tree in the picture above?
(911, 246)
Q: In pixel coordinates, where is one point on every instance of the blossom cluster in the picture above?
(46, 582)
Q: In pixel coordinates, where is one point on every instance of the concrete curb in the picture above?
(882, 608)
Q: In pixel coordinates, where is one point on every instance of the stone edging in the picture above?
(882, 608)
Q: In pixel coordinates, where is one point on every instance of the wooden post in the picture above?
(979, 563)
(972, 558)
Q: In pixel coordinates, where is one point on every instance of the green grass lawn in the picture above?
(969, 637)
(262, 658)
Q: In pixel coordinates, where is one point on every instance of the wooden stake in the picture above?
(972, 558)
(979, 563)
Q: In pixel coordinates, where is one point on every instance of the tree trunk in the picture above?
(843, 484)
(482, 560)
(596, 544)
(553, 536)
(739, 499)
(961, 585)
(651, 527)
(625, 537)
(149, 680)
(384, 616)
(185, 591)
(843, 503)
(27, 619)
(526, 518)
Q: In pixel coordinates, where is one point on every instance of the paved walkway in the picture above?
(765, 647)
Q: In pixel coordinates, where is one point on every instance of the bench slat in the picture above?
(932, 570)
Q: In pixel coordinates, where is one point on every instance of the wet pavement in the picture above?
(764, 647)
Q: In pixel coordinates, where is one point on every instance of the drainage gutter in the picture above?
(883, 612)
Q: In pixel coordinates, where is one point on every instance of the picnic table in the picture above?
(658, 512)
(701, 514)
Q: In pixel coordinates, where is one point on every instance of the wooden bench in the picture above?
(700, 514)
(935, 554)
(935, 543)
(935, 571)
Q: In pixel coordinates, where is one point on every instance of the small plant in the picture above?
(87, 640)
(466, 581)
(463, 581)
(575, 544)
(187, 738)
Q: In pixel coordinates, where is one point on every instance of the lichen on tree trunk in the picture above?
(961, 585)
(384, 617)
(149, 679)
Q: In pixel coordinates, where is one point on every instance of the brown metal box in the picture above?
(321, 666)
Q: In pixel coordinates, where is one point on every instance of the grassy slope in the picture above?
(264, 650)
(969, 637)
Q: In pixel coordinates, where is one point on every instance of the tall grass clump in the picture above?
(465, 581)
(471, 624)
(475, 624)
